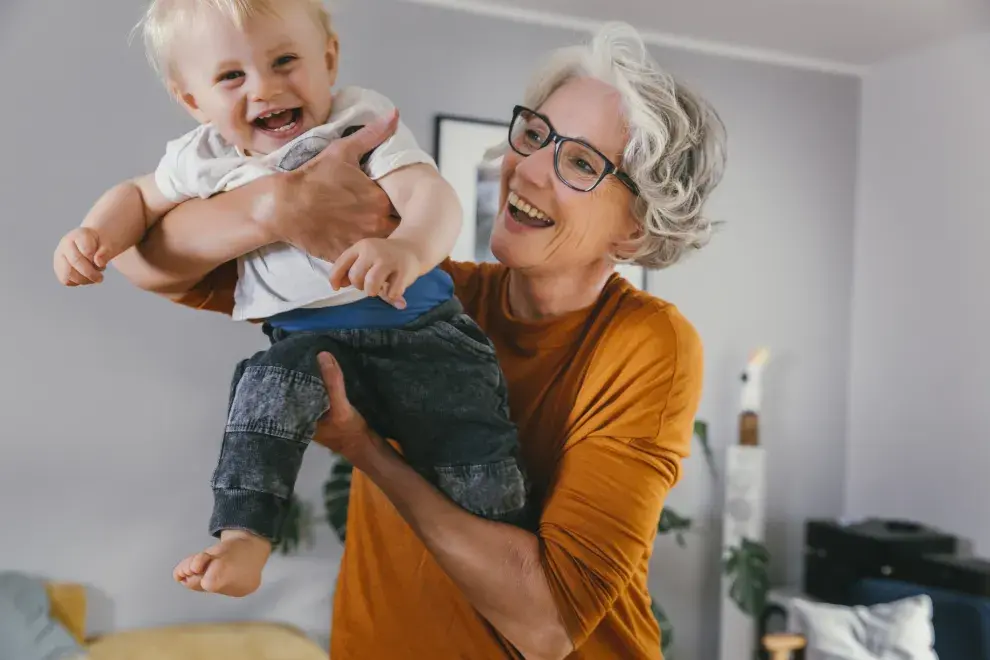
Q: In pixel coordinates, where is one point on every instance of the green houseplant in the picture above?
(747, 565)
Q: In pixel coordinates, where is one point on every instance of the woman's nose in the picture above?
(537, 168)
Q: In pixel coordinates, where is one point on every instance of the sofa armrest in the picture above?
(68, 607)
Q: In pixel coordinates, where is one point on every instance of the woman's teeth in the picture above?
(524, 207)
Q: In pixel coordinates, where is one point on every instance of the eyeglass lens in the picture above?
(577, 164)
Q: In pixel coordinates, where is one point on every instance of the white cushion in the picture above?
(901, 630)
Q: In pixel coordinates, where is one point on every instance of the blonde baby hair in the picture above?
(164, 19)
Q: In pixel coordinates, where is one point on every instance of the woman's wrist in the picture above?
(374, 456)
(268, 205)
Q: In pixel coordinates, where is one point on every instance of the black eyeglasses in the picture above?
(578, 164)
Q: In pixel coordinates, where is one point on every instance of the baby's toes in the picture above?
(193, 582)
(181, 570)
(199, 562)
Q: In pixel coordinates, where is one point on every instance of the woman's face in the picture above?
(580, 229)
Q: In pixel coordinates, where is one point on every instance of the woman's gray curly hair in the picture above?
(676, 148)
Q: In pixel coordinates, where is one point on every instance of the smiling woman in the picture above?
(611, 160)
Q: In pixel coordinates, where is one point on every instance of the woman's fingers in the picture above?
(353, 147)
(333, 380)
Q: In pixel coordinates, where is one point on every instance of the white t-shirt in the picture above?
(279, 277)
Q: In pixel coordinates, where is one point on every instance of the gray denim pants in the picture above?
(434, 386)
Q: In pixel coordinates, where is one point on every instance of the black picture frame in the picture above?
(439, 119)
(460, 146)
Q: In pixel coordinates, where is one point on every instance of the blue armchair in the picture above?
(961, 621)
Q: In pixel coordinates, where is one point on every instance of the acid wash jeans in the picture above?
(434, 386)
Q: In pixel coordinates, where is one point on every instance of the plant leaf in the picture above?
(701, 432)
(297, 529)
(666, 627)
(337, 497)
(673, 522)
(747, 565)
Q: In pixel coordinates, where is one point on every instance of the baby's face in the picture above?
(261, 86)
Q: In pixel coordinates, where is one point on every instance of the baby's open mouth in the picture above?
(280, 121)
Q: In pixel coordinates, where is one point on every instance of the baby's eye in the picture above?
(285, 59)
(227, 76)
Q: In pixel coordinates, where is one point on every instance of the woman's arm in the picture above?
(497, 566)
(322, 208)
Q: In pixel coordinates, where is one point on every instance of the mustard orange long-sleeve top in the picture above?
(605, 400)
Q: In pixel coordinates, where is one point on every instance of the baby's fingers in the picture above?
(68, 275)
(376, 281)
(102, 258)
(339, 274)
(82, 264)
(398, 302)
(398, 284)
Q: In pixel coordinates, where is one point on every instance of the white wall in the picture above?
(920, 375)
(113, 401)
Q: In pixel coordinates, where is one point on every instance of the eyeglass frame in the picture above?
(558, 139)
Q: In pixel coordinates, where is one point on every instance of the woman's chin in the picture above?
(512, 252)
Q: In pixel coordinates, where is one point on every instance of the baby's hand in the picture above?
(382, 267)
(80, 258)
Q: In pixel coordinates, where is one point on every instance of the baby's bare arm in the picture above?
(116, 223)
(430, 211)
(124, 213)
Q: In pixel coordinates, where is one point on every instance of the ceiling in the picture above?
(842, 35)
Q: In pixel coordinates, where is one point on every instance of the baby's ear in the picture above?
(333, 56)
(187, 101)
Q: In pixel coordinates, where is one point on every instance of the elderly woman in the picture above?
(608, 159)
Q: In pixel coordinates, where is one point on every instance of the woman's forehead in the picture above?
(589, 109)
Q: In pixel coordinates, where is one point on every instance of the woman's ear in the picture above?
(332, 56)
(187, 101)
(628, 233)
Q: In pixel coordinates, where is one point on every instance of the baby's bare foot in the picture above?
(232, 567)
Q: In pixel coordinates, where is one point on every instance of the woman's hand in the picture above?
(329, 203)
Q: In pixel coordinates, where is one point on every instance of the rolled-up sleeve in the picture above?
(214, 293)
(601, 515)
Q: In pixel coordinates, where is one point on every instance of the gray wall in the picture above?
(113, 400)
(920, 372)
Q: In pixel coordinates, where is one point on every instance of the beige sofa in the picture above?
(206, 641)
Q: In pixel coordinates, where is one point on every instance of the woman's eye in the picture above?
(534, 136)
(585, 166)
(285, 59)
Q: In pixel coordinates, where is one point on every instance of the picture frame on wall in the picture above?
(460, 145)
(459, 149)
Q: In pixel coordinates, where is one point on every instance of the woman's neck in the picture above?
(536, 296)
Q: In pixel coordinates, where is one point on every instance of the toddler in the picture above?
(258, 76)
